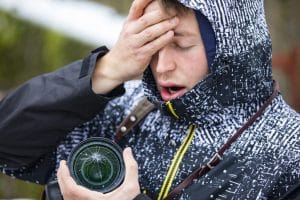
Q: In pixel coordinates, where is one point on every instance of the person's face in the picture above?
(180, 65)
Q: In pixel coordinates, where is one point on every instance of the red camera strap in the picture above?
(217, 157)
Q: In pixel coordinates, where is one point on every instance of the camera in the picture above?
(96, 163)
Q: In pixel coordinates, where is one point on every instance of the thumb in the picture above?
(130, 187)
(130, 165)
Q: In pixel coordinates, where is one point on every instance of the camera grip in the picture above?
(52, 191)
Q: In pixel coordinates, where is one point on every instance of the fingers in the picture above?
(156, 31)
(64, 179)
(130, 187)
(153, 24)
(137, 8)
(131, 166)
(154, 46)
(150, 18)
(131, 181)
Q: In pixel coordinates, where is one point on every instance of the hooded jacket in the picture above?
(184, 133)
(239, 82)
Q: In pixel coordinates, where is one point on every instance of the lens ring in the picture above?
(97, 164)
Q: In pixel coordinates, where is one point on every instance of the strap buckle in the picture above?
(214, 160)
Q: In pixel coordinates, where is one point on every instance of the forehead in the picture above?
(187, 23)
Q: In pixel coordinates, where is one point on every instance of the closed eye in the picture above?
(181, 46)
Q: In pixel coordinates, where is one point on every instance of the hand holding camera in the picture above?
(129, 189)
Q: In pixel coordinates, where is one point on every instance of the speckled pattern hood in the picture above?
(241, 71)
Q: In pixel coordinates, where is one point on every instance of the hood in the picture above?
(240, 73)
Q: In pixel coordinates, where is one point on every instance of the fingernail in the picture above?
(129, 149)
(62, 162)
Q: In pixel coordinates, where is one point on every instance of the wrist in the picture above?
(104, 78)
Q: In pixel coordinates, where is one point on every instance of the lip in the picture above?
(166, 95)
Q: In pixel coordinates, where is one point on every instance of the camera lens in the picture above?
(97, 164)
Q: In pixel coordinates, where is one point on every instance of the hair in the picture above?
(173, 5)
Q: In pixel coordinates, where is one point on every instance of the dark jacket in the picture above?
(264, 163)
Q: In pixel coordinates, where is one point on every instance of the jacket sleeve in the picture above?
(40, 113)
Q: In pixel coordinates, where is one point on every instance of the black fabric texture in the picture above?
(60, 101)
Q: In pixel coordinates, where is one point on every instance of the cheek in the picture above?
(196, 68)
(152, 64)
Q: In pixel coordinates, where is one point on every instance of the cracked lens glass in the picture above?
(98, 167)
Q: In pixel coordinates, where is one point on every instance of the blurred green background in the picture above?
(27, 50)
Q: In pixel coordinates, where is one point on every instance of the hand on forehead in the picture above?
(145, 7)
(156, 6)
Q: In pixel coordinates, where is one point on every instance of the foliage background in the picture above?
(27, 50)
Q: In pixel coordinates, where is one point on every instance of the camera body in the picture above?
(96, 163)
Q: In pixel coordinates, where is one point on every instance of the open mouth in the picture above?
(172, 92)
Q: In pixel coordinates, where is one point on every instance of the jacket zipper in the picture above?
(166, 186)
(171, 109)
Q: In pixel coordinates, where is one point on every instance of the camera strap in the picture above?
(217, 157)
(139, 112)
(144, 107)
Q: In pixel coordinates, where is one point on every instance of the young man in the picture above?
(209, 73)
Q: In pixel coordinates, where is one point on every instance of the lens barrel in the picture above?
(97, 164)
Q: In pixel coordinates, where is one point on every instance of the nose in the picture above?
(165, 60)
